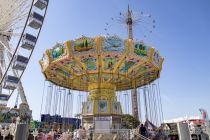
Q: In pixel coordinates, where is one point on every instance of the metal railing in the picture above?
(103, 134)
(137, 135)
(111, 134)
(142, 137)
(98, 134)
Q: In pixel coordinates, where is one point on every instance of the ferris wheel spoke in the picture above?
(9, 24)
(15, 14)
(1, 71)
(10, 34)
(8, 49)
(17, 28)
(11, 6)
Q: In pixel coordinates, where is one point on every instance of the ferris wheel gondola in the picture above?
(20, 26)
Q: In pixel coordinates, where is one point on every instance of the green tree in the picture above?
(129, 122)
(86, 43)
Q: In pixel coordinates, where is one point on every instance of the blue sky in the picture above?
(182, 36)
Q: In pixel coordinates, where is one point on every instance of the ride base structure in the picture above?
(101, 66)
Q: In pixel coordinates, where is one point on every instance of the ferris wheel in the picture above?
(20, 26)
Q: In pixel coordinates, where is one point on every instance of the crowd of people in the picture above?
(81, 133)
(78, 134)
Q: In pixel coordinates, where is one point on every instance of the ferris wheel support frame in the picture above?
(17, 44)
(20, 87)
(35, 44)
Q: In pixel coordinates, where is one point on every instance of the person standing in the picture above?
(79, 133)
(83, 133)
(90, 132)
(143, 130)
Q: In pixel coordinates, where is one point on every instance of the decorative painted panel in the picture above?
(106, 76)
(156, 57)
(74, 66)
(116, 107)
(44, 60)
(83, 44)
(88, 107)
(113, 44)
(126, 66)
(90, 63)
(93, 77)
(58, 51)
(140, 49)
(63, 72)
(102, 106)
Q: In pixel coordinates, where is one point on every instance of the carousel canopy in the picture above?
(86, 62)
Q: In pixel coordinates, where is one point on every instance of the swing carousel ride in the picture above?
(101, 66)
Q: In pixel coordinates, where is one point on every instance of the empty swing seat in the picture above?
(41, 4)
(20, 62)
(28, 41)
(10, 82)
(4, 99)
(36, 20)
